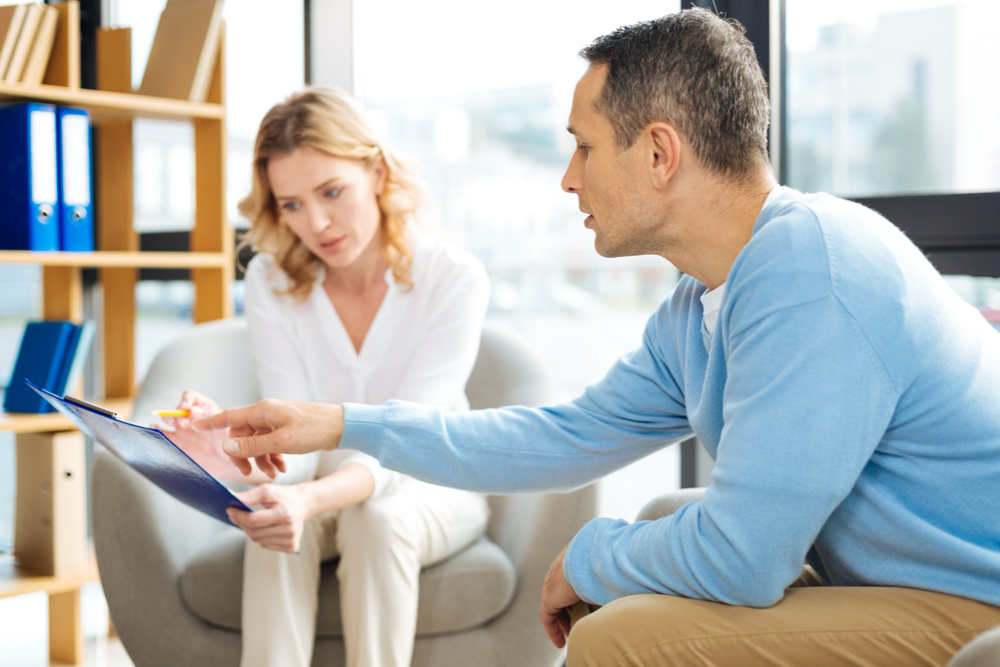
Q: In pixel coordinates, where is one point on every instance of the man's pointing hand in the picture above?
(269, 428)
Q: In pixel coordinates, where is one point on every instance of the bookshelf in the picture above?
(114, 107)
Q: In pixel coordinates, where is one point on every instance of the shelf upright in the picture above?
(114, 199)
(212, 231)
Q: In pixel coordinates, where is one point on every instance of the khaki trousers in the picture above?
(823, 625)
(383, 544)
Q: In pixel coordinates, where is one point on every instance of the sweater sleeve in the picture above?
(806, 402)
(441, 364)
(636, 409)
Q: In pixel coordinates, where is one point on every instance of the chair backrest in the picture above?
(508, 371)
(214, 358)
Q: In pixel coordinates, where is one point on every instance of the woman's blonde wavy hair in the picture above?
(325, 119)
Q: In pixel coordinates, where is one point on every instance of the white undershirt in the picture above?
(711, 300)
(421, 346)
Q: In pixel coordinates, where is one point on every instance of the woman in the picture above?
(344, 303)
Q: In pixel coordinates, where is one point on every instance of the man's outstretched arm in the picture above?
(636, 409)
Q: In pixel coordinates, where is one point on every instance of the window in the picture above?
(892, 96)
(483, 113)
(257, 76)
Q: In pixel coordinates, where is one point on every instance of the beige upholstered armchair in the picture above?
(173, 576)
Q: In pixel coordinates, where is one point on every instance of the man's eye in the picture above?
(332, 192)
(291, 206)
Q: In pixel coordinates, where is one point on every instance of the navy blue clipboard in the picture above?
(151, 453)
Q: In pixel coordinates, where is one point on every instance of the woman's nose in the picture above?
(318, 219)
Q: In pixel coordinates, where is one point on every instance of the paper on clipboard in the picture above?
(152, 454)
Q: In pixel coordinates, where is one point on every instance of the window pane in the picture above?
(983, 293)
(483, 113)
(893, 96)
(256, 78)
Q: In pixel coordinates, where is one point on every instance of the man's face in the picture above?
(608, 182)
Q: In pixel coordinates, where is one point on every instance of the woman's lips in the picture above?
(331, 245)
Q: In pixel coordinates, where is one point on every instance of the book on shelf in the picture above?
(25, 40)
(52, 355)
(11, 20)
(184, 50)
(41, 47)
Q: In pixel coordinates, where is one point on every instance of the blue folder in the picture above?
(28, 188)
(77, 349)
(40, 359)
(76, 210)
(151, 453)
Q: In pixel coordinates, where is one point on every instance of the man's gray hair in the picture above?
(695, 71)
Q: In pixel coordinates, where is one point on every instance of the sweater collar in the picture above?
(775, 201)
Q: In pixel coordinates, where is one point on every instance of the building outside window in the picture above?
(896, 98)
(483, 114)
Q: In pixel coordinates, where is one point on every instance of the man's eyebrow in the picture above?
(318, 187)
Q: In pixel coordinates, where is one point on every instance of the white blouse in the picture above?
(420, 347)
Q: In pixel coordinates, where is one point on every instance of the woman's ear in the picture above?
(664, 152)
(381, 171)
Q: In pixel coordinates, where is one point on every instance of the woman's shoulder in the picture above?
(264, 278)
(435, 259)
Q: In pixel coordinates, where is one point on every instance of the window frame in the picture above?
(959, 233)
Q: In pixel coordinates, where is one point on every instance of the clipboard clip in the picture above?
(90, 406)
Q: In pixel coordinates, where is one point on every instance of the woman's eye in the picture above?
(291, 206)
(332, 192)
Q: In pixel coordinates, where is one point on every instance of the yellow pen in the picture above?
(171, 413)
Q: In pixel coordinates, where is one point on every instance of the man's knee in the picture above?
(620, 629)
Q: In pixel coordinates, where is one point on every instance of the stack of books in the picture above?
(52, 356)
(27, 35)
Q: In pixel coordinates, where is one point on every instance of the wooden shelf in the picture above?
(16, 580)
(119, 259)
(14, 422)
(106, 105)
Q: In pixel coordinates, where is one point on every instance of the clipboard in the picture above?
(151, 453)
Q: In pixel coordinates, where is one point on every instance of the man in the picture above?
(849, 398)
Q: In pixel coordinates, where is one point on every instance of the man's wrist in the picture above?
(336, 428)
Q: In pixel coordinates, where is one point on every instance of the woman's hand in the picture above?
(278, 526)
(205, 447)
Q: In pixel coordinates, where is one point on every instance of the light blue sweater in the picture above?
(850, 399)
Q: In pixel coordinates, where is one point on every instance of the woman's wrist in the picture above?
(312, 498)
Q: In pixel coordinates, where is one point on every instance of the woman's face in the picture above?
(330, 203)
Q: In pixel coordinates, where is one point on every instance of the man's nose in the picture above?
(571, 181)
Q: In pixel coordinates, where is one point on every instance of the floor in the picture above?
(24, 639)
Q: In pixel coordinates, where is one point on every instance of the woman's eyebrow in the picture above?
(322, 185)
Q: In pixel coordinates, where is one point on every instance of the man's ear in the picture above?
(664, 152)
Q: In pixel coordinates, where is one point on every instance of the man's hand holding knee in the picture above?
(557, 597)
(267, 429)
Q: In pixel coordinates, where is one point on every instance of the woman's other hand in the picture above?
(278, 525)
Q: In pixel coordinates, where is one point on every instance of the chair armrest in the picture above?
(668, 503)
(143, 538)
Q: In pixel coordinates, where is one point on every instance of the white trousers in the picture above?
(382, 543)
